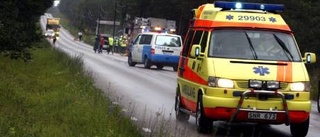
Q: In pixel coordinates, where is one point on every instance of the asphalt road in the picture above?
(147, 95)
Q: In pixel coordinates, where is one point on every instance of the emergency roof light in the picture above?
(249, 6)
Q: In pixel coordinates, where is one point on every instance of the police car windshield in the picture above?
(254, 45)
(167, 40)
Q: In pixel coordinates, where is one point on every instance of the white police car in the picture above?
(159, 49)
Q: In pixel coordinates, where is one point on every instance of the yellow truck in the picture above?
(53, 24)
(240, 62)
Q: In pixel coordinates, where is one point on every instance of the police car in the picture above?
(153, 48)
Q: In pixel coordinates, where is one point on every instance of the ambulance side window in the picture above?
(200, 38)
(203, 42)
(187, 44)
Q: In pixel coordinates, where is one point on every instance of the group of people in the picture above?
(109, 44)
(99, 42)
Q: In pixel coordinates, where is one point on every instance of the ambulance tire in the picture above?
(130, 62)
(204, 124)
(301, 129)
(180, 115)
(318, 99)
(147, 63)
(160, 66)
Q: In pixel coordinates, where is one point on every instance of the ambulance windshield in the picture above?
(253, 44)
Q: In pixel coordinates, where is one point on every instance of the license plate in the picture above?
(263, 116)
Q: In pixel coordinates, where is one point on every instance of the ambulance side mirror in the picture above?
(309, 58)
(196, 51)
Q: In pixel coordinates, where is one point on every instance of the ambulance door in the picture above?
(200, 38)
(184, 72)
(184, 55)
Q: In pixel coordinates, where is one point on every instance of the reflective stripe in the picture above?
(284, 72)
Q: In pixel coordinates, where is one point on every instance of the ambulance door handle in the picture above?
(193, 65)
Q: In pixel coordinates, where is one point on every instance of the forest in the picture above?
(302, 16)
(18, 22)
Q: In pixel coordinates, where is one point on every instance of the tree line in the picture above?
(302, 16)
(18, 29)
(19, 26)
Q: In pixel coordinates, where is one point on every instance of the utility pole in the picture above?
(114, 24)
(98, 26)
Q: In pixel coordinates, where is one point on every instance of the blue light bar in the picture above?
(250, 6)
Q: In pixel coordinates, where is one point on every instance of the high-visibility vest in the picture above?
(123, 43)
(110, 41)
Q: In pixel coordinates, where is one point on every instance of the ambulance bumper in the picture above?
(222, 108)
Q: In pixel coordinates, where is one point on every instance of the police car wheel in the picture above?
(175, 68)
(204, 124)
(147, 63)
(300, 130)
(180, 115)
(130, 62)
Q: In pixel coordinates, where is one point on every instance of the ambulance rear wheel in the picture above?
(147, 63)
(180, 115)
(300, 130)
(130, 62)
(204, 124)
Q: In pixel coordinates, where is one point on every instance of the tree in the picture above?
(18, 26)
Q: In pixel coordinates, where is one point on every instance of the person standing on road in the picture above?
(54, 38)
(101, 44)
(96, 44)
(80, 36)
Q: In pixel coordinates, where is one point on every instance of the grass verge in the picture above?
(53, 96)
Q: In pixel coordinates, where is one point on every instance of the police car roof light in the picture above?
(249, 6)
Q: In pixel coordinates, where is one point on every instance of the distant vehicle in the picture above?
(49, 33)
(153, 48)
(53, 24)
(106, 45)
(151, 24)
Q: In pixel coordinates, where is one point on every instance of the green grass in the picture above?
(53, 96)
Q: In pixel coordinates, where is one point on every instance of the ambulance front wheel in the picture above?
(204, 124)
(300, 130)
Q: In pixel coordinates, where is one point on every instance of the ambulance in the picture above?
(240, 62)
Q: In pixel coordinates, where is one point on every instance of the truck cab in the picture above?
(241, 63)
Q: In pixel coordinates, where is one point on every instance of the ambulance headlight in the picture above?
(256, 84)
(300, 86)
(273, 85)
(220, 82)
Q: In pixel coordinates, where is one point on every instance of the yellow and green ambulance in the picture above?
(240, 62)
